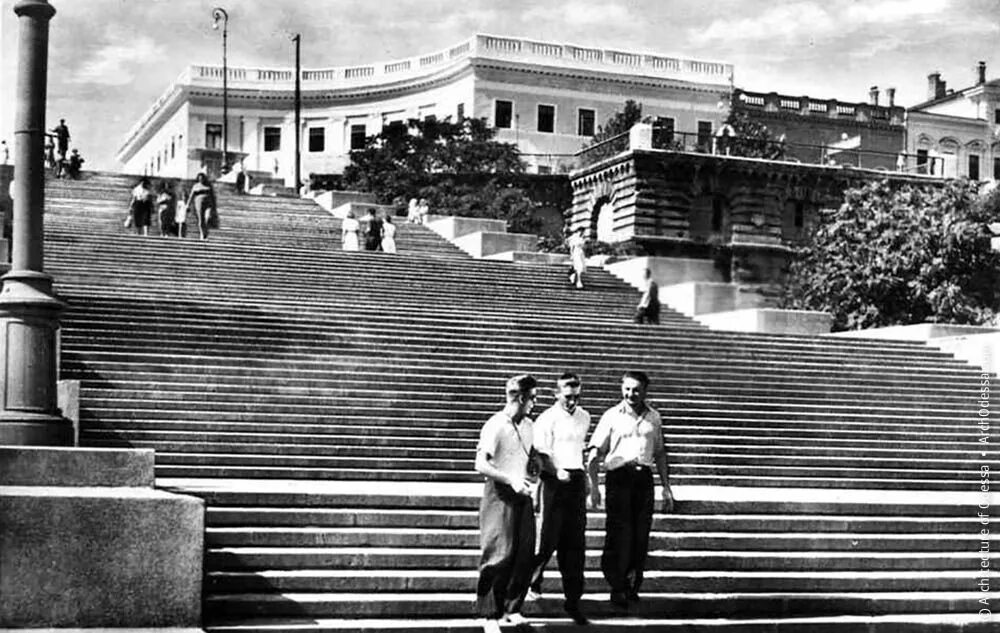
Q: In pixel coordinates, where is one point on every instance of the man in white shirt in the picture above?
(506, 515)
(560, 439)
(629, 437)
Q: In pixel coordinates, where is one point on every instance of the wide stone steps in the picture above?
(213, 375)
(291, 516)
(464, 581)
(906, 623)
(468, 539)
(654, 605)
(326, 406)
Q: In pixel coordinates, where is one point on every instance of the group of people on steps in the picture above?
(172, 213)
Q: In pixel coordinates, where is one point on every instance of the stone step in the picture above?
(905, 623)
(674, 381)
(457, 458)
(712, 500)
(734, 476)
(417, 605)
(415, 439)
(678, 409)
(726, 541)
(442, 518)
(693, 582)
(368, 557)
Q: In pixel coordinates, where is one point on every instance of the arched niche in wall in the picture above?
(602, 212)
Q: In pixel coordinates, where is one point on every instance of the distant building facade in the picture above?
(829, 131)
(956, 134)
(548, 98)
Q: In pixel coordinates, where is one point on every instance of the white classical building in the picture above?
(956, 134)
(548, 98)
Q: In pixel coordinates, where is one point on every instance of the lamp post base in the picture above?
(29, 318)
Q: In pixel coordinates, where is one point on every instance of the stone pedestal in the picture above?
(87, 542)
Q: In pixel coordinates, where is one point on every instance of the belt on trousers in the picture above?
(573, 472)
(633, 467)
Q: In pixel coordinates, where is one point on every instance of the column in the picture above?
(29, 313)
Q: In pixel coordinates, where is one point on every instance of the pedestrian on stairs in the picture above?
(648, 310)
(201, 200)
(141, 206)
(629, 439)
(349, 230)
(560, 439)
(504, 456)
(413, 212)
(577, 257)
(166, 209)
(388, 235)
(373, 232)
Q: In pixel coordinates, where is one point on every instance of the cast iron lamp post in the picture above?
(218, 13)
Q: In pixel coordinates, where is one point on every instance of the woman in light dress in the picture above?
(349, 229)
(413, 212)
(388, 235)
(577, 257)
(202, 200)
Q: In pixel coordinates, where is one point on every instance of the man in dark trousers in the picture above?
(62, 138)
(373, 232)
(560, 439)
(629, 438)
(648, 310)
(506, 515)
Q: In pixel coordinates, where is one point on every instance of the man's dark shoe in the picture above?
(633, 595)
(619, 599)
(577, 616)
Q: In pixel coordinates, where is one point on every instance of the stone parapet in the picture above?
(87, 542)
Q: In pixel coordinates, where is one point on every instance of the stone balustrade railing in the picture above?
(806, 106)
(481, 46)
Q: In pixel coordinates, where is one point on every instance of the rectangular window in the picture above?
(503, 114)
(973, 167)
(546, 118)
(460, 112)
(800, 215)
(996, 116)
(922, 158)
(358, 136)
(585, 122)
(213, 136)
(317, 139)
(996, 169)
(172, 147)
(663, 132)
(544, 169)
(704, 135)
(272, 139)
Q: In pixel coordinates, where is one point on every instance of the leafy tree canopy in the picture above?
(751, 138)
(902, 254)
(459, 167)
(617, 124)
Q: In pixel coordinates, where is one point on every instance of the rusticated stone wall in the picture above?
(684, 204)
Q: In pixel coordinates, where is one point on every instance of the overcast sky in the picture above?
(110, 59)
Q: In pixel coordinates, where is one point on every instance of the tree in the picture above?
(901, 254)
(459, 167)
(617, 124)
(751, 139)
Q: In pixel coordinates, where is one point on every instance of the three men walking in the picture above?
(628, 439)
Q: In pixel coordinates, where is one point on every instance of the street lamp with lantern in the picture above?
(218, 13)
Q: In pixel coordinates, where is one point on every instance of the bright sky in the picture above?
(110, 59)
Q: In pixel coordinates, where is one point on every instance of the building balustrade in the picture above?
(805, 106)
(478, 46)
(668, 139)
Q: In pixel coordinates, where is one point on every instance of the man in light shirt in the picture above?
(506, 514)
(560, 439)
(629, 438)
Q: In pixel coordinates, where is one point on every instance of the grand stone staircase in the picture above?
(326, 406)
